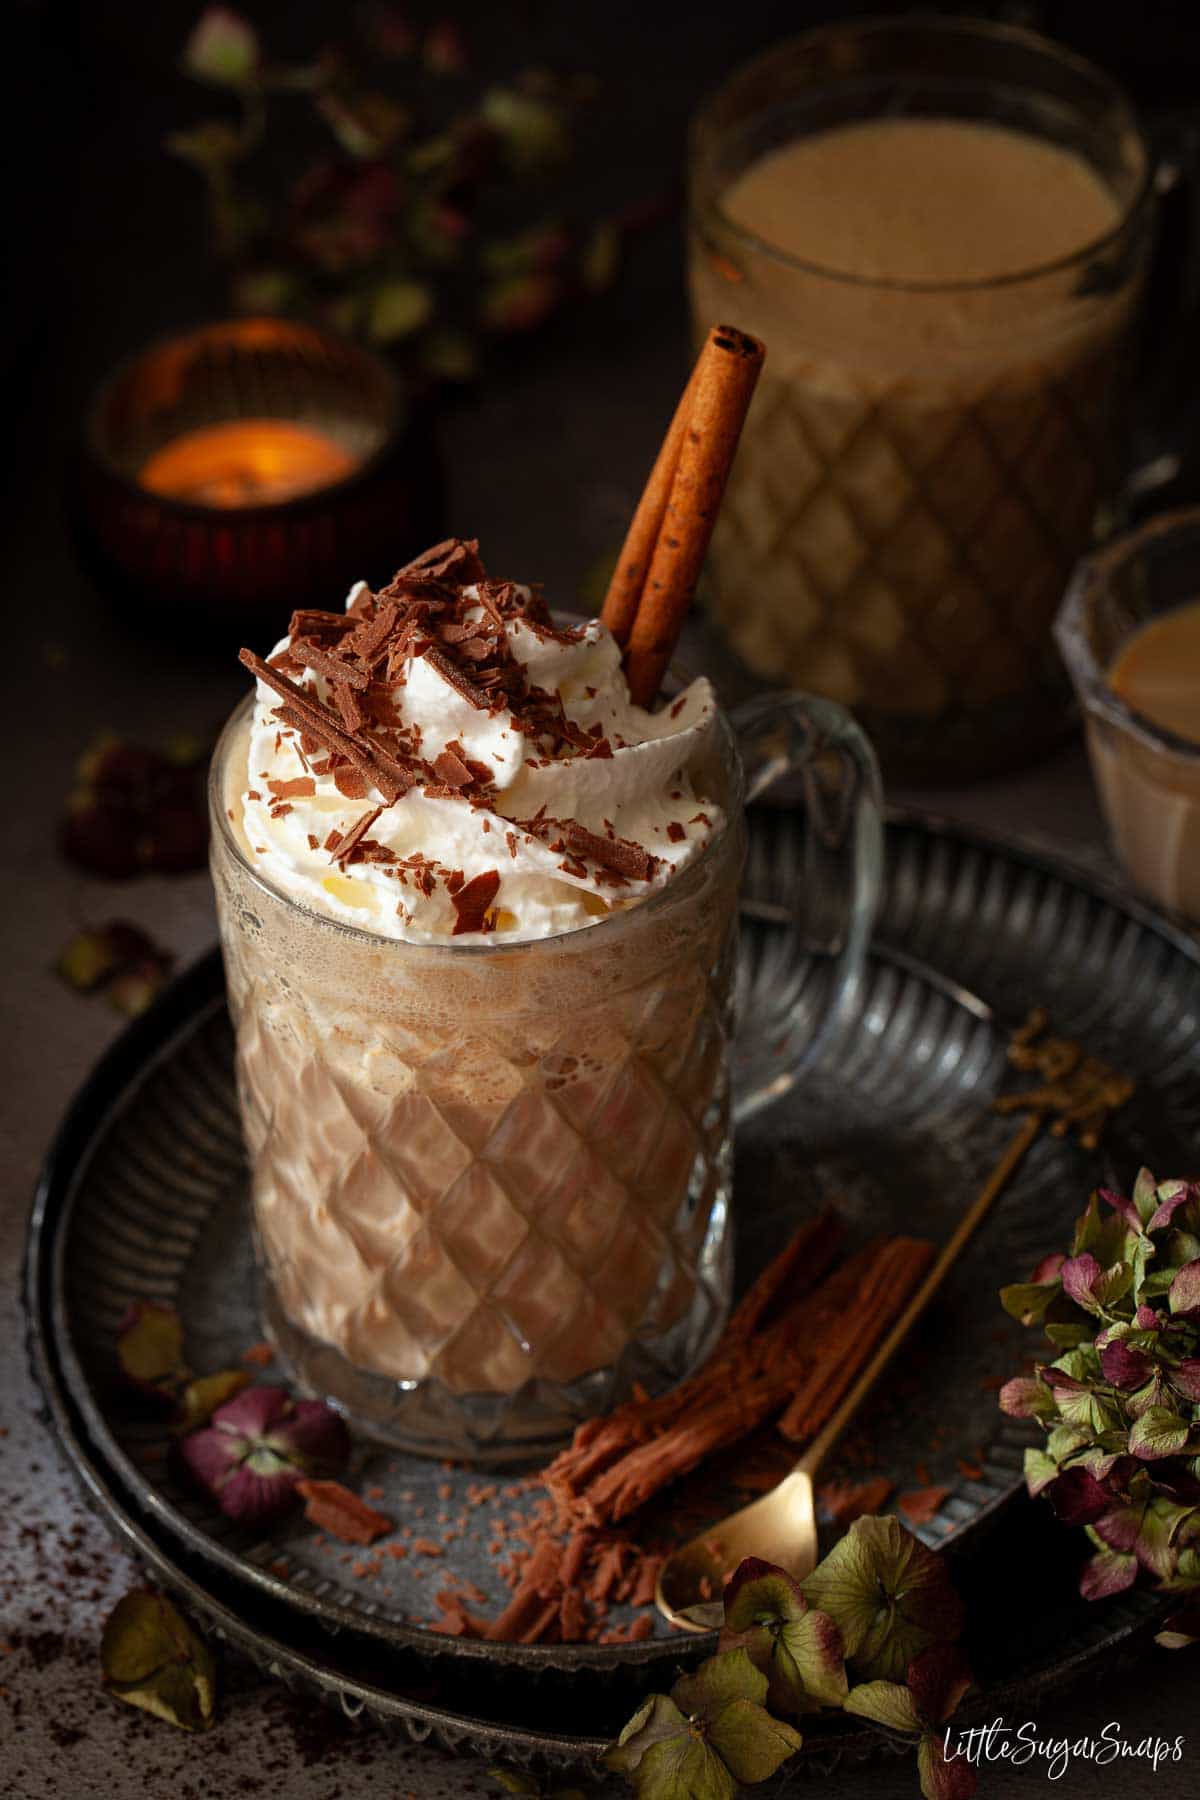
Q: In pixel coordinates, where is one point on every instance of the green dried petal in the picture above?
(655, 1722)
(808, 1666)
(1065, 1441)
(683, 1768)
(153, 1659)
(1066, 1336)
(1157, 1433)
(1026, 1301)
(889, 1595)
(398, 309)
(1146, 1195)
(531, 129)
(201, 1398)
(150, 1345)
(1162, 1521)
(886, 1703)
(750, 1743)
(223, 49)
(1040, 1470)
(728, 1676)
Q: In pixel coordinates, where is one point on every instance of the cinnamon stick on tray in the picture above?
(668, 538)
(782, 1285)
(797, 1328)
(799, 1365)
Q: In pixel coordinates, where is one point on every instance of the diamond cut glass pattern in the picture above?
(490, 1187)
(926, 457)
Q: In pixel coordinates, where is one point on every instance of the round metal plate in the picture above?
(140, 1198)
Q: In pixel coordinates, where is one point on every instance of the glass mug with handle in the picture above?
(942, 227)
(490, 1184)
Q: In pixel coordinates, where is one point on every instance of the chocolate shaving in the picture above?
(336, 739)
(456, 556)
(471, 903)
(344, 699)
(297, 789)
(350, 783)
(371, 637)
(383, 760)
(332, 667)
(308, 622)
(462, 684)
(345, 846)
(451, 769)
(618, 854)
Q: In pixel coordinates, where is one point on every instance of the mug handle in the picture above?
(815, 868)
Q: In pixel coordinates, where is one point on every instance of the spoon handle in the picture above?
(965, 1230)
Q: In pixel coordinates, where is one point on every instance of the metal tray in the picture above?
(894, 1124)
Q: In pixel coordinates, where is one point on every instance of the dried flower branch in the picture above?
(880, 1607)
(423, 208)
(1120, 1404)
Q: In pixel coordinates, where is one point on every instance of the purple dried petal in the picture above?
(937, 1679)
(1109, 1572)
(255, 1499)
(1184, 1297)
(1123, 1366)
(1079, 1277)
(1059, 1382)
(253, 1412)
(1019, 1397)
(1112, 1468)
(1166, 1210)
(206, 1455)
(1145, 1318)
(942, 1779)
(1049, 1269)
(258, 1445)
(1126, 1208)
(1120, 1527)
(1077, 1497)
(1186, 1378)
(314, 1434)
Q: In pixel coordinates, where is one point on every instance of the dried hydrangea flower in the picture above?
(258, 1446)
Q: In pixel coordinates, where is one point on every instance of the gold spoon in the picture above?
(781, 1526)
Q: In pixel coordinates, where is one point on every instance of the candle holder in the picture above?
(342, 482)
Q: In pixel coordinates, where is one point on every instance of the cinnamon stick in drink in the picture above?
(668, 539)
(629, 576)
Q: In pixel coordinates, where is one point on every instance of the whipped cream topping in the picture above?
(441, 760)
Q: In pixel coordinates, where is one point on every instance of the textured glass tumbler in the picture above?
(491, 1184)
(923, 461)
(1147, 777)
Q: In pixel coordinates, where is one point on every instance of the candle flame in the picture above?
(246, 462)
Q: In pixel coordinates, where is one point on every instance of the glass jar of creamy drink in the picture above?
(940, 229)
(485, 1033)
(1129, 632)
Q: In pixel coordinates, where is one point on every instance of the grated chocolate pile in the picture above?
(440, 607)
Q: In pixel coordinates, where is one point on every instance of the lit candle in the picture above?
(246, 462)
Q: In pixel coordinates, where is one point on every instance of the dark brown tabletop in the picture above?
(545, 464)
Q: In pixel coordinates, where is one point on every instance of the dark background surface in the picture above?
(104, 249)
